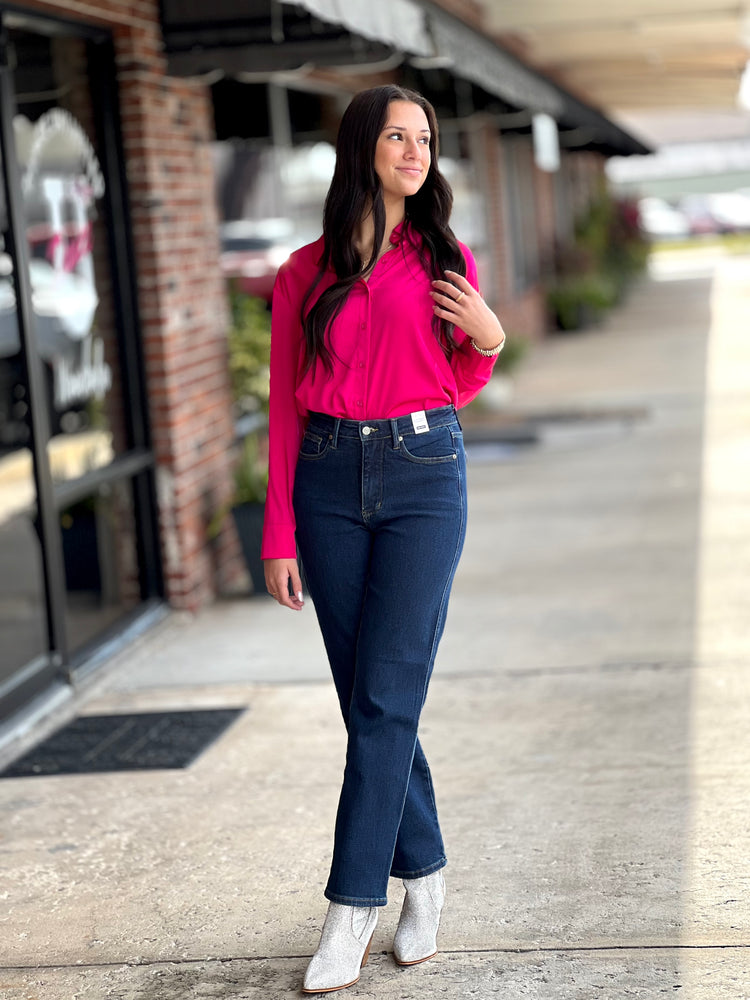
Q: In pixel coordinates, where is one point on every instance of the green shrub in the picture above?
(251, 472)
(249, 341)
(579, 299)
(593, 271)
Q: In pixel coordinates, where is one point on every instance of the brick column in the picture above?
(167, 128)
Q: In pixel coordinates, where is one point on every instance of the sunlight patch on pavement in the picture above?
(716, 889)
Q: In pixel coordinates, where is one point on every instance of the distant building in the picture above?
(685, 168)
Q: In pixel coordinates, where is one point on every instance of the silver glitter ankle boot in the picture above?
(343, 950)
(416, 934)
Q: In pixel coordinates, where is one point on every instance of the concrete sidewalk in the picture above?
(587, 724)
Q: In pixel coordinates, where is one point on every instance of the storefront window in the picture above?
(63, 191)
(76, 513)
(65, 214)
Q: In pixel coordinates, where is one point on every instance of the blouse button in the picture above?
(359, 402)
(361, 364)
(363, 326)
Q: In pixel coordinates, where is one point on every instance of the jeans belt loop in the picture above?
(335, 432)
(395, 434)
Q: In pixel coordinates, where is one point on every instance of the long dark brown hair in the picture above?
(356, 190)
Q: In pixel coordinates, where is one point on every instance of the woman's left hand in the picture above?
(457, 301)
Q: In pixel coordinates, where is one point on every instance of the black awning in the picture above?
(265, 36)
(584, 127)
(238, 38)
(473, 57)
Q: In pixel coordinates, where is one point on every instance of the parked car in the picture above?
(698, 211)
(662, 221)
(252, 253)
(731, 209)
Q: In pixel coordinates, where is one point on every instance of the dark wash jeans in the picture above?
(381, 519)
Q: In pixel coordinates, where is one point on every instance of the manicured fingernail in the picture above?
(299, 595)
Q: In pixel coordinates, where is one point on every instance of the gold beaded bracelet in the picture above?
(492, 352)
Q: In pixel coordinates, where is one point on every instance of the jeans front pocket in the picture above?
(433, 447)
(314, 445)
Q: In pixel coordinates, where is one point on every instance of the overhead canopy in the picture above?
(257, 35)
(582, 126)
(233, 37)
(642, 54)
(477, 59)
(240, 37)
(265, 36)
(399, 23)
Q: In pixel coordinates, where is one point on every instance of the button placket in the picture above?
(364, 348)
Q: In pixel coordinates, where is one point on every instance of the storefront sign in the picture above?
(91, 378)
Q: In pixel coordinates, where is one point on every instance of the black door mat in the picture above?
(145, 741)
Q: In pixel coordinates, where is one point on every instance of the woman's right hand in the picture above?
(279, 574)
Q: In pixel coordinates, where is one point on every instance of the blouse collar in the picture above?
(404, 230)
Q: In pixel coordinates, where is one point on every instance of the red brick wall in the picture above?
(167, 128)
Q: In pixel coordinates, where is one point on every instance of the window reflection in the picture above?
(66, 227)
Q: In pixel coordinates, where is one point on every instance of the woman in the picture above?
(379, 333)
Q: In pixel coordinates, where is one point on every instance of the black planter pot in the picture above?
(248, 520)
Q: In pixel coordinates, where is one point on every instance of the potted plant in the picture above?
(249, 343)
(251, 483)
(593, 272)
(578, 300)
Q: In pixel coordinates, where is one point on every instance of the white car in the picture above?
(731, 209)
(661, 221)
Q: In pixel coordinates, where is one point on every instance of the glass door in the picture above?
(71, 389)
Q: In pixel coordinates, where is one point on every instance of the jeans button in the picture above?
(366, 431)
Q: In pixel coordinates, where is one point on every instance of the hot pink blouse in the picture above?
(387, 362)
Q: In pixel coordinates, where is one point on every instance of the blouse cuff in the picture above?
(278, 542)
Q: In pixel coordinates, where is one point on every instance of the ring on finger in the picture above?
(459, 297)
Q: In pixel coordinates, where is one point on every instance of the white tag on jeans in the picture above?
(419, 420)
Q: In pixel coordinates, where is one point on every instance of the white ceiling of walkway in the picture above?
(635, 56)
